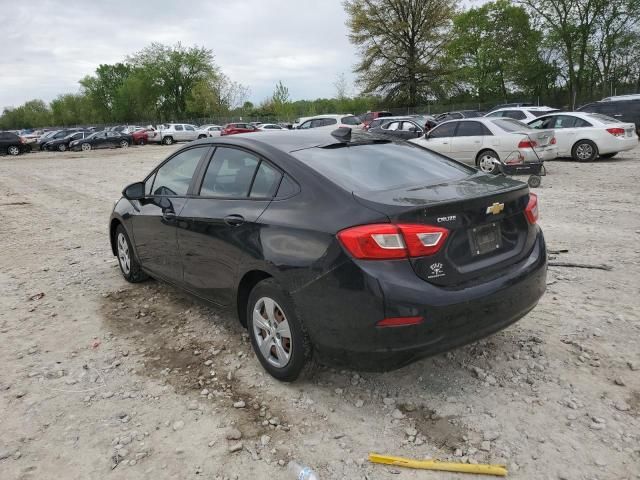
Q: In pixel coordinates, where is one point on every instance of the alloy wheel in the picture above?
(272, 332)
(62, 147)
(13, 150)
(123, 254)
(124, 144)
(86, 147)
(584, 151)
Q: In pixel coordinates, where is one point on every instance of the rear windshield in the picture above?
(473, 114)
(510, 125)
(350, 120)
(539, 113)
(374, 167)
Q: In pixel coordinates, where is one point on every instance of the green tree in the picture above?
(73, 109)
(104, 87)
(401, 46)
(281, 102)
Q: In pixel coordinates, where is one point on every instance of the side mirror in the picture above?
(135, 191)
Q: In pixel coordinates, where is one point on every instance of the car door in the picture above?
(178, 133)
(469, 140)
(439, 139)
(218, 228)
(100, 140)
(190, 133)
(154, 224)
(409, 130)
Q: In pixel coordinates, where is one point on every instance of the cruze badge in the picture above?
(496, 208)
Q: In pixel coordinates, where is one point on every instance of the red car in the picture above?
(233, 128)
(140, 137)
(369, 116)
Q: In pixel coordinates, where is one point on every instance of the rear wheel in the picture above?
(486, 161)
(13, 150)
(200, 137)
(584, 151)
(534, 181)
(129, 266)
(86, 147)
(277, 334)
(124, 144)
(167, 140)
(608, 155)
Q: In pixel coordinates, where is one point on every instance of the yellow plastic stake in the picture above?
(498, 470)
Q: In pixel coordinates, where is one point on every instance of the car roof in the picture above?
(285, 140)
(528, 109)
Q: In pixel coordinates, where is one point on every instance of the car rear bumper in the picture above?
(621, 144)
(341, 310)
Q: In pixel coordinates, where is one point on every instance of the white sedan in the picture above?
(584, 136)
(269, 127)
(482, 141)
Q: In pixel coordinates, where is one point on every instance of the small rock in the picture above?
(264, 440)
(491, 380)
(204, 392)
(490, 436)
(274, 421)
(233, 434)
(457, 453)
(619, 381)
(479, 373)
(359, 403)
(236, 447)
(178, 425)
(193, 405)
(239, 404)
(397, 414)
(212, 443)
(389, 401)
(622, 406)
(17, 455)
(633, 365)
(485, 446)
(412, 432)
(5, 454)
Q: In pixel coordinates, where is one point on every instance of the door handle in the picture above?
(234, 220)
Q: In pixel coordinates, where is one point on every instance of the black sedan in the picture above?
(360, 250)
(62, 144)
(404, 129)
(105, 139)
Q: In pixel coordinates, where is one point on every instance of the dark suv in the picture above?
(12, 144)
(623, 110)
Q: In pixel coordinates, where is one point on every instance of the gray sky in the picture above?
(47, 46)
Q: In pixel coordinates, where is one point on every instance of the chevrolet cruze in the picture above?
(355, 249)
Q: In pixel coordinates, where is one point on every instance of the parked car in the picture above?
(524, 114)
(331, 120)
(356, 250)
(270, 127)
(482, 141)
(62, 144)
(404, 129)
(104, 139)
(457, 115)
(174, 132)
(585, 136)
(53, 135)
(235, 128)
(209, 131)
(368, 117)
(617, 98)
(620, 109)
(12, 144)
(510, 105)
(141, 135)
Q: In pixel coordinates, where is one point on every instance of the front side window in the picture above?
(392, 126)
(410, 127)
(174, 177)
(306, 125)
(229, 173)
(189, 128)
(443, 131)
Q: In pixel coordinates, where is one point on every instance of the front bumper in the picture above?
(340, 310)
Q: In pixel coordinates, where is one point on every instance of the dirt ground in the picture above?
(103, 379)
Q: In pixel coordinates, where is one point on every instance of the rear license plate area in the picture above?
(629, 132)
(485, 239)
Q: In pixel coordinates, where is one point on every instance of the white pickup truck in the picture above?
(175, 132)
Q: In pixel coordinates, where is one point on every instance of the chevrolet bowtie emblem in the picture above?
(496, 208)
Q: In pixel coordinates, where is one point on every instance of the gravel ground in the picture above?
(103, 379)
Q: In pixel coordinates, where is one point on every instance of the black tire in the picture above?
(534, 181)
(482, 162)
(167, 140)
(124, 144)
(584, 151)
(200, 137)
(608, 155)
(141, 141)
(62, 147)
(300, 350)
(134, 273)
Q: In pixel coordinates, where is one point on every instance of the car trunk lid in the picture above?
(485, 217)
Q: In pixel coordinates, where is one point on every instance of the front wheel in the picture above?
(13, 150)
(486, 161)
(129, 266)
(278, 336)
(200, 137)
(62, 147)
(584, 151)
(167, 140)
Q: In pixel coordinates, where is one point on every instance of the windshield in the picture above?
(511, 125)
(373, 167)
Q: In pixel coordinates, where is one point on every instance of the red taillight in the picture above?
(400, 321)
(616, 132)
(553, 141)
(527, 144)
(531, 212)
(383, 241)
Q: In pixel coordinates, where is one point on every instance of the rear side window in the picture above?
(372, 167)
(444, 131)
(510, 125)
(329, 121)
(351, 120)
(266, 181)
(174, 177)
(515, 114)
(472, 129)
(229, 173)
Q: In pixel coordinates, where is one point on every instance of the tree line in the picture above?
(410, 53)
